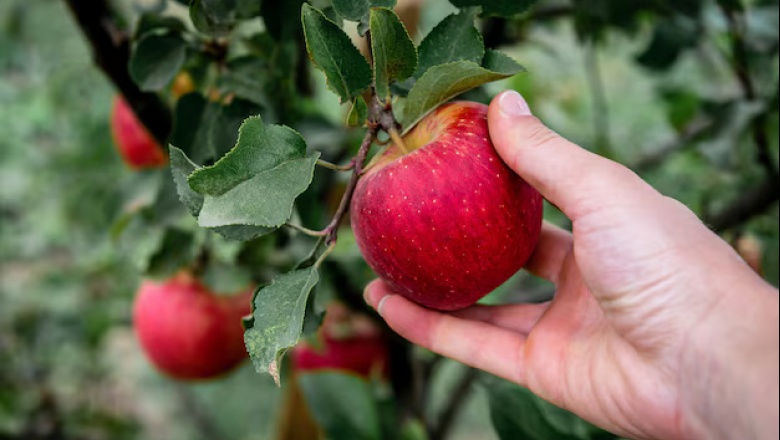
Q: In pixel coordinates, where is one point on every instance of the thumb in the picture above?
(570, 177)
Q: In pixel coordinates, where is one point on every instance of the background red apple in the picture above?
(187, 331)
(445, 222)
(137, 146)
(348, 341)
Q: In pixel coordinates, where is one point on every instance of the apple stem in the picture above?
(335, 167)
(397, 140)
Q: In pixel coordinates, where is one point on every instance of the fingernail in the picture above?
(381, 304)
(512, 103)
(367, 294)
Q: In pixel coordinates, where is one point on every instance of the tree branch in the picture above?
(688, 134)
(749, 204)
(111, 52)
(741, 67)
(461, 390)
(331, 231)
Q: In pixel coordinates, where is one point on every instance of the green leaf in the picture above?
(264, 200)
(518, 413)
(331, 50)
(454, 39)
(503, 8)
(500, 62)
(181, 167)
(670, 38)
(277, 319)
(342, 404)
(178, 249)
(156, 59)
(206, 130)
(441, 83)
(151, 22)
(277, 18)
(395, 57)
(259, 148)
(359, 10)
(358, 114)
(214, 17)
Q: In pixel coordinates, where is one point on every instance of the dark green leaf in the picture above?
(358, 114)
(242, 232)
(248, 78)
(158, 23)
(395, 57)
(331, 50)
(277, 16)
(500, 62)
(156, 59)
(190, 128)
(342, 404)
(503, 8)
(277, 319)
(515, 415)
(177, 250)
(252, 8)
(259, 148)
(518, 413)
(359, 10)
(206, 130)
(670, 39)
(441, 83)
(215, 17)
(454, 39)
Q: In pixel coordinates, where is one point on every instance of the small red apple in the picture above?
(442, 219)
(348, 342)
(138, 148)
(187, 331)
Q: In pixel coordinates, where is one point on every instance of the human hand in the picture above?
(657, 329)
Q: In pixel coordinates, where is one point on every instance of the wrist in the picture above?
(731, 366)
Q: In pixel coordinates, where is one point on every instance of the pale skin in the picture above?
(657, 330)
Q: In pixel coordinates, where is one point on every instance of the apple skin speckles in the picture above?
(459, 221)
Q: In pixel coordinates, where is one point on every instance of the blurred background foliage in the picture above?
(679, 92)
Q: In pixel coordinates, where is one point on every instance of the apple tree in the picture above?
(253, 123)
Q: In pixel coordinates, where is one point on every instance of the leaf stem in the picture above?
(324, 255)
(335, 167)
(304, 230)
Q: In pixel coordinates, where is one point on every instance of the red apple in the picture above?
(443, 220)
(138, 148)
(348, 342)
(187, 331)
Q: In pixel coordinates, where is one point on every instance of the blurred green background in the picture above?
(69, 364)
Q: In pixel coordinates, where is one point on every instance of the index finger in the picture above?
(474, 343)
